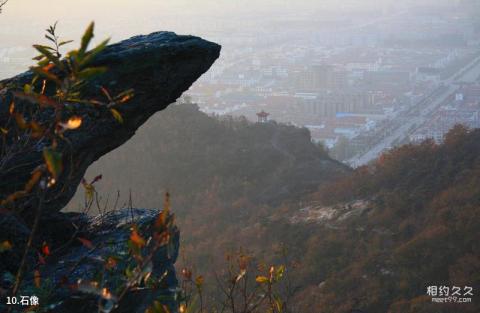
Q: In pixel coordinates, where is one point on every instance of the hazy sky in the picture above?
(142, 16)
(27, 19)
(113, 11)
(23, 22)
(139, 11)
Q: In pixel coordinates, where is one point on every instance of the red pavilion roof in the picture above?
(263, 114)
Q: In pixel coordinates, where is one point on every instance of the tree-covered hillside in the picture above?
(408, 221)
(189, 153)
(372, 239)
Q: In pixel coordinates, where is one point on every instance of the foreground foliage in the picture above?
(55, 91)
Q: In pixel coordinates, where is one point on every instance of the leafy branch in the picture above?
(57, 86)
(243, 287)
(56, 91)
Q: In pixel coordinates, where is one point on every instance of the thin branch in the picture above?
(21, 268)
(2, 3)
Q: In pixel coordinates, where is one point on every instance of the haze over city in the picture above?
(346, 70)
(250, 156)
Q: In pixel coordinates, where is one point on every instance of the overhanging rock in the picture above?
(159, 67)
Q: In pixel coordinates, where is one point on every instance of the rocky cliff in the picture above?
(159, 67)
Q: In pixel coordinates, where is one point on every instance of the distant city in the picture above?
(360, 88)
(360, 85)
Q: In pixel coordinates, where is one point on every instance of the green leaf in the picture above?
(27, 88)
(46, 52)
(46, 47)
(53, 160)
(86, 38)
(128, 273)
(41, 72)
(64, 42)
(91, 55)
(91, 72)
(51, 28)
(89, 192)
(279, 273)
(117, 116)
(50, 38)
(43, 63)
(262, 279)
(124, 93)
(278, 303)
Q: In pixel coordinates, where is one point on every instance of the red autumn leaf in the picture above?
(97, 178)
(137, 239)
(45, 249)
(87, 243)
(125, 98)
(48, 67)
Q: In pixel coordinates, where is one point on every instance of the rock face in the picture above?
(108, 237)
(159, 67)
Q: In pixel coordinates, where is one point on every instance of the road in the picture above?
(416, 117)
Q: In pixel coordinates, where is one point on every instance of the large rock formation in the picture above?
(109, 235)
(72, 270)
(159, 67)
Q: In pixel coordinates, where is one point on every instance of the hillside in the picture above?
(372, 239)
(376, 240)
(189, 153)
